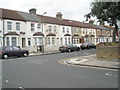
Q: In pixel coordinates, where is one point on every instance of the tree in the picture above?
(106, 11)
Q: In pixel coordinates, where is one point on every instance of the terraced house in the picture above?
(41, 33)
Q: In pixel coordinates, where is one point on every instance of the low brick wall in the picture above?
(108, 52)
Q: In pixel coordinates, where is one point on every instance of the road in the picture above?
(45, 72)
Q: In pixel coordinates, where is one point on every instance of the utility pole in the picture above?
(42, 22)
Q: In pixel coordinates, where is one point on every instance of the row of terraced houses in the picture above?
(33, 31)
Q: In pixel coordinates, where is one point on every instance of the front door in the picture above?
(23, 42)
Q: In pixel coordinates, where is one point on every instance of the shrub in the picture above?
(108, 44)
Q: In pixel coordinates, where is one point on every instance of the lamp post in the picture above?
(42, 22)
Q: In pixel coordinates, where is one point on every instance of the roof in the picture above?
(38, 34)
(81, 24)
(75, 35)
(51, 34)
(29, 17)
(110, 27)
(12, 33)
(92, 36)
(103, 28)
(53, 20)
(23, 16)
(67, 35)
(10, 14)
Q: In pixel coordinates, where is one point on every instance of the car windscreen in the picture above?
(84, 43)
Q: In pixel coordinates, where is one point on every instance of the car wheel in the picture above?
(78, 49)
(5, 56)
(69, 50)
(82, 48)
(88, 47)
(25, 55)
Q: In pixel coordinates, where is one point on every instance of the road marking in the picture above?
(108, 74)
(6, 81)
(76, 60)
(64, 63)
(83, 60)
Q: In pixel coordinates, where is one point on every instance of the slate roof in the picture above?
(23, 16)
(103, 27)
(10, 14)
(81, 24)
(29, 17)
(53, 20)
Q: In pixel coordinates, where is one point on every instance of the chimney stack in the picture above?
(59, 15)
(91, 21)
(32, 11)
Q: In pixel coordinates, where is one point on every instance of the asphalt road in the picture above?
(45, 72)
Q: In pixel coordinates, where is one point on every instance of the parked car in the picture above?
(68, 48)
(78, 45)
(10, 51)
(87, 46)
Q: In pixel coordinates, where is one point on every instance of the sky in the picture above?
(71, 9)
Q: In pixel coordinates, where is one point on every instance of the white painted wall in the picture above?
(62, 34)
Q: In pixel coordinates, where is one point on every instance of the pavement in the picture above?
(44, 53)
(90, 60)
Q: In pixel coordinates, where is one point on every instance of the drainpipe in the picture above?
(3, 33)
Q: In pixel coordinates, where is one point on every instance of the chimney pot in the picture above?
(32, 11)
(59, 15)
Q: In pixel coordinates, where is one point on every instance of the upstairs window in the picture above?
(38, 26)
(50, 28)
(63, 29)
(17, 26)
(9, 25)
(55, 29)
(67, 30)
(32, 27)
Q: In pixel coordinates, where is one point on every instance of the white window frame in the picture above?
(32, 26)
(9, 25)
(53, 40)
(7, 41)
(14, 41)
(50, 28)
(63, 29)
(17, 25)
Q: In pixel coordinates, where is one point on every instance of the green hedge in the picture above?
(108, 44)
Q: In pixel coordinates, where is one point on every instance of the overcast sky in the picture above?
(71, 9)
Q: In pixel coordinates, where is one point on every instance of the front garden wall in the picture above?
(108, 52)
